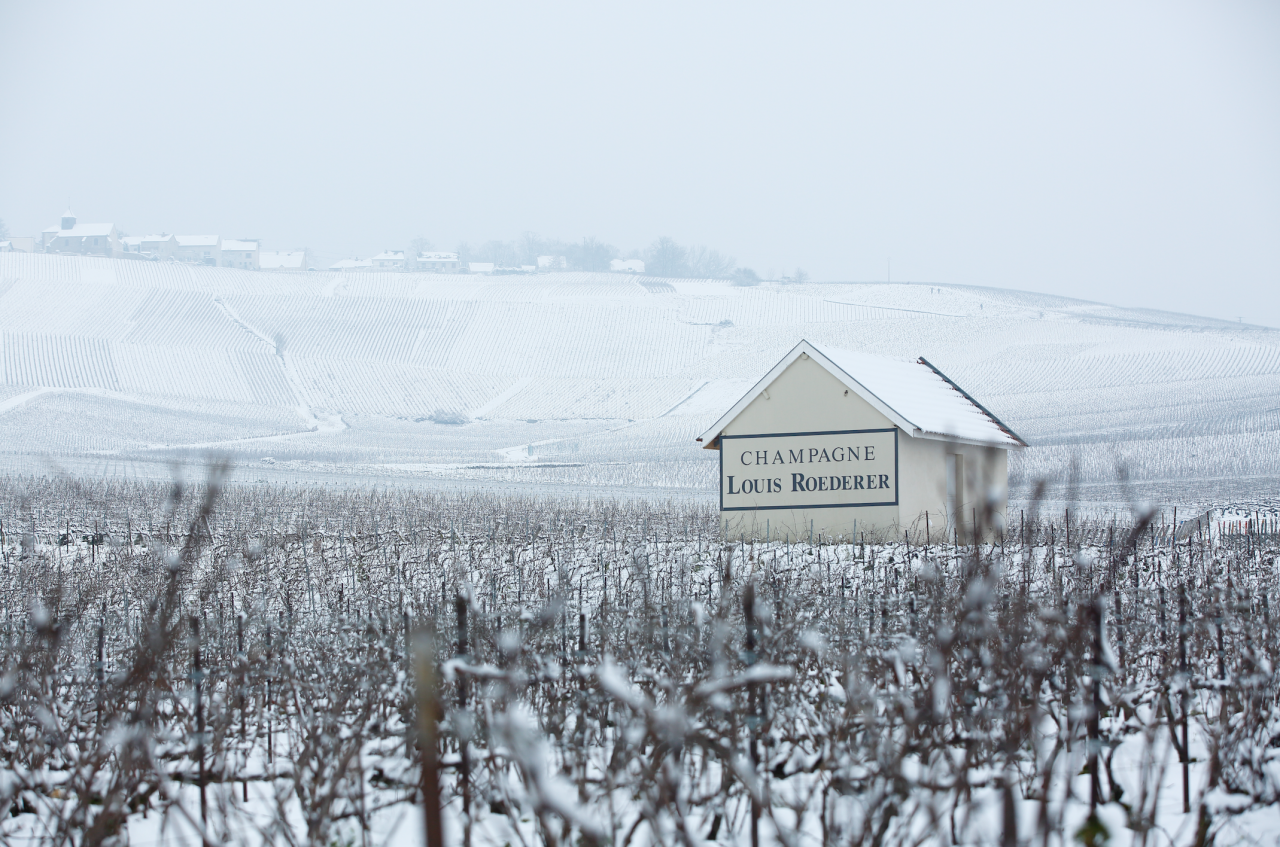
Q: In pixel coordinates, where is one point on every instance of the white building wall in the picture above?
(807, 398)
(922, 481)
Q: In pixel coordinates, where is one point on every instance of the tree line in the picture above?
(664, 257)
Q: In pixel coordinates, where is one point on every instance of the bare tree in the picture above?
(666, 258)
(416, 247)
(709, 264)
(591, 255)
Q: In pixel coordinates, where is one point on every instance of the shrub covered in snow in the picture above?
(262, 664)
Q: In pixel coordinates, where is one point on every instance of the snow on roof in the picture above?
(480, 267)
(240, 245)
(197, 240)
(82, 230)
(160, 237)
(916, 396)
(351, 264)
(437, 257)
(267, 261)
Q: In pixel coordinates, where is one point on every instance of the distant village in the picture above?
(71, 237)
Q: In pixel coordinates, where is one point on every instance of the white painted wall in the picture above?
(807, 398)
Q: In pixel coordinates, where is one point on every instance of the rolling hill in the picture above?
(592, 381)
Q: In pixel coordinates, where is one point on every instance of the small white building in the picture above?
(626, 266)
(150, 246)
(46, 237)
(480, 267)
(849, 445)
(442, 263)
(19, 244)
(85, 239)
(201, 249)
(162, 246)
(283, 262)
(388, 260)
(241, 254)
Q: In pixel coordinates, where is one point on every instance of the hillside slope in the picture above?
(583, 379)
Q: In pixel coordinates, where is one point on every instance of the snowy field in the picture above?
(253, 666)
(587, 383)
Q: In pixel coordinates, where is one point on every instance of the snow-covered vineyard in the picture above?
(582, 382)
(287, 665)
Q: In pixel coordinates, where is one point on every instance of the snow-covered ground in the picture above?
(616, 674)
(582, 381)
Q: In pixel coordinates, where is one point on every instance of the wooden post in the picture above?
(753, 716)
(1185, 752)
(266, 706)
(428, 708)
(197, 679)
(99, 667)
(242, 661)
(464, 763)
(1095, 712)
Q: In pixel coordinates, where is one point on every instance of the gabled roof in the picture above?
(242, 246)
(917, 397)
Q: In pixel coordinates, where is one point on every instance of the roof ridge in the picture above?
(923, 361)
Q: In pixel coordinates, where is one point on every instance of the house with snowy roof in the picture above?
(150, 246)
(294, 261)
(201, 249)
(436, 262)
(160, 246)
(239, 253)
(18, 244)
(842, 444)
(85, 239)
(389, 260)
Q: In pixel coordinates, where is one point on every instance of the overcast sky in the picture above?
(1123, 152)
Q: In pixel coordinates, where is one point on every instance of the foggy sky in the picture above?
(1128, 152)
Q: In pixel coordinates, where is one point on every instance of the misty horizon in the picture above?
(1125, 155)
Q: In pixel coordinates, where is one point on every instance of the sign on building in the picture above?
(848, 445)
(809, 470)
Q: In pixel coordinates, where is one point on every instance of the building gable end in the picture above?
(710, 439)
